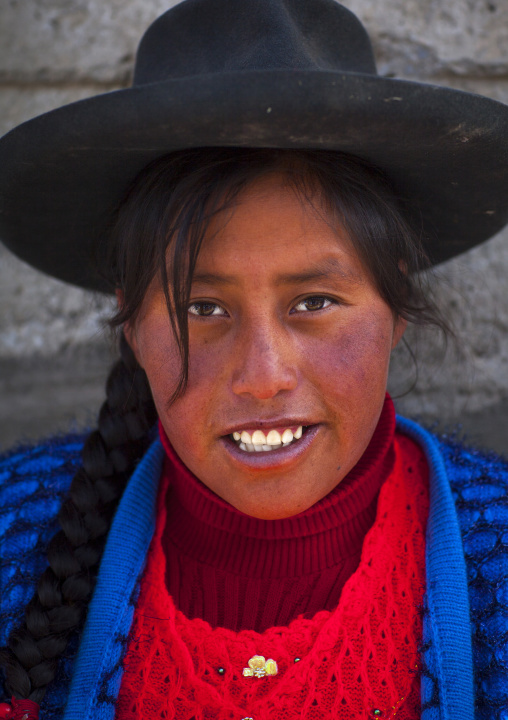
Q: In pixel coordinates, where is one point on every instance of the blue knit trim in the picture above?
(98, 674)
(448, 619)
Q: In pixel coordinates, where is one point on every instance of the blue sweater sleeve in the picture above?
(479, 483)
(33, 483)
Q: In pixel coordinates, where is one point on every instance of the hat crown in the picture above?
(218, 36)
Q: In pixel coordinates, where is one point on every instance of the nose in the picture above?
(264, 361)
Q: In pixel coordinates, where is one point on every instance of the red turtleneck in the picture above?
(242, 573)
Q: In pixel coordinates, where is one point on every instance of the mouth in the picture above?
(252, 440)
(272, 446)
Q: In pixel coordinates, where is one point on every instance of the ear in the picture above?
(129, 328)
(398, 330)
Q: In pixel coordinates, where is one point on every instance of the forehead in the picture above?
(275, 229)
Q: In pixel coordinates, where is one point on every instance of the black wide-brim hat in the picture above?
(261, 73)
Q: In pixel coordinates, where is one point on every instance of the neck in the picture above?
(212, 546)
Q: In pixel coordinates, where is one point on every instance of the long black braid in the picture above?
(110, 454)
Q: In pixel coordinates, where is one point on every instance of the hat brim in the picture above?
(64, 172)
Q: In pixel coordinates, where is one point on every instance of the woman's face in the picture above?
(286, 330)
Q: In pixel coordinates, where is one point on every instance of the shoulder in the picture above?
(33, 482)
(25, 469)
(464, 460)
(475, 476)
(479, 482)
(479, 485)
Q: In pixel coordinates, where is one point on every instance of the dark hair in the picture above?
(64, 589)
(168, 209)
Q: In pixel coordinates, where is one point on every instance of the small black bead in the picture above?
(221, 670)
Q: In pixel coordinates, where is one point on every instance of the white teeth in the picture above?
(273, 438)
(258, 442)
(248, 447)
(258, 438)
(287, 436)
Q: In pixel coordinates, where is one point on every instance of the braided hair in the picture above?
(110, 454)
(166, 212)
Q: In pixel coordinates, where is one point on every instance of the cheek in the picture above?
(351, 370)
(355, 356)
(188, 419)
(159, 356)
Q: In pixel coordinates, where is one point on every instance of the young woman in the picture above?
(249, 534)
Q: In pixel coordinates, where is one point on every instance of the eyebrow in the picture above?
(327, 268)
(330, 268)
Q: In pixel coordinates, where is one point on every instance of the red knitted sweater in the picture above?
(356, 661)
(243, 573)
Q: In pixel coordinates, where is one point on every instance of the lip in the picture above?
(274, 459)
(263, 425)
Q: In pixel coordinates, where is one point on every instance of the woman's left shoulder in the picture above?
(475, 475)
(479, 484)
(478, 481)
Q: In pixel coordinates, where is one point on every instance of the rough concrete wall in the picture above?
(57, 51)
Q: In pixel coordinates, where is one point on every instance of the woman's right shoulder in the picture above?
(34, 477)
(33, 483)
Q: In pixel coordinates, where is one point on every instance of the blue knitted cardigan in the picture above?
(465, 643)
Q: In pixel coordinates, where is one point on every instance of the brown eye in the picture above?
(205, 309)
(313, 303)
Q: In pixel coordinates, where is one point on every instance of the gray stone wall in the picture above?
(53, 350)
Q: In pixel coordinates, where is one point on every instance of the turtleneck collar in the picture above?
(210, 531)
